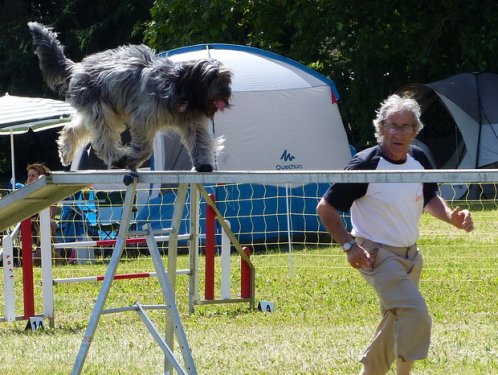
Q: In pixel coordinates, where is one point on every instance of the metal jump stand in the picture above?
(165, 281)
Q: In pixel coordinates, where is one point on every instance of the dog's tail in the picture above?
(55, 66)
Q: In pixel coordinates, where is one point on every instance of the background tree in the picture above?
(85, 26)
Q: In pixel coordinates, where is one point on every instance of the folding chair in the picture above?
(109, 209)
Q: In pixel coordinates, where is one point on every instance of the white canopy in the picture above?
(19, 114)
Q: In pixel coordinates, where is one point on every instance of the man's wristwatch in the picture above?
(348, 245)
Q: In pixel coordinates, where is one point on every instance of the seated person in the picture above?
(34, 172)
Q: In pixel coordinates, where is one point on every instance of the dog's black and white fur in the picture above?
(131, 87)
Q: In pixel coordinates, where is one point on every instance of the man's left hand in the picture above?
(462, 219)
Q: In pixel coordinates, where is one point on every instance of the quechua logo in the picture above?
(286, 156)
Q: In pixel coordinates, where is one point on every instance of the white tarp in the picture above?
(284, 116)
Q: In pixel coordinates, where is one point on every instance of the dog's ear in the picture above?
(185, 81)
(210, 70)
(203, 71)
(196, 84)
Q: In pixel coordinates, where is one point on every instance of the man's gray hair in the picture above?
(395, 104)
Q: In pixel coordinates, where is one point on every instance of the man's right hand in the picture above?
(358, 257)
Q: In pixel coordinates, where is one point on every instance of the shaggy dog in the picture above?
(130, 87)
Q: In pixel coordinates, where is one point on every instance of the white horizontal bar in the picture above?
(135, 308)
(78, 244)
(277, 177)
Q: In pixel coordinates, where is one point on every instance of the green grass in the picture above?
(324, 315)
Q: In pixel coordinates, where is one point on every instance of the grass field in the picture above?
(324, 315)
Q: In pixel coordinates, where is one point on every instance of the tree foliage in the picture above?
(85, 26)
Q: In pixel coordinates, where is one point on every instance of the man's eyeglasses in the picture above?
(403, 129)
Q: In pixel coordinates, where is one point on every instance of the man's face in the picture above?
(398, 132)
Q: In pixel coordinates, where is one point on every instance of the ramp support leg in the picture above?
(108, 278)
(166, 281)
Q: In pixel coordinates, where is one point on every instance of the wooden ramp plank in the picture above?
(33, 198)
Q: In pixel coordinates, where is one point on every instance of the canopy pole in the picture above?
(480, 109)
(12, 161)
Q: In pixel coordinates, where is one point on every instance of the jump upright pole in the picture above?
(27, 268)
(209, 250)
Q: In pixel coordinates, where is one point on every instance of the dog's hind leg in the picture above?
(105, 129)
(70, 137)
(201, 146)
(142, 137)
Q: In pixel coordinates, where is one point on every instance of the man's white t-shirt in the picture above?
(387, 213)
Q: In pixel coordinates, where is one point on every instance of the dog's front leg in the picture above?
(200, 146)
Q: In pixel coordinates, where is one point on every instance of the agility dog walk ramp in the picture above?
(33, 198)
(166, 281)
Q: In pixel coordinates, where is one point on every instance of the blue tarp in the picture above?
(257, 213)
